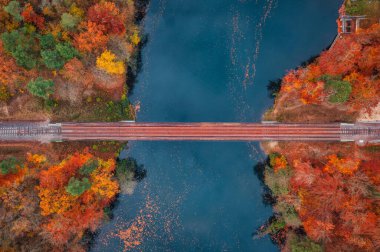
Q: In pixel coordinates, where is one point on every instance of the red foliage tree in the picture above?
(31, 16)
(341, 59)
(369, 63)
(336, 207)
(74, 71)
(107, 14)
(58, 176)
(64, 227)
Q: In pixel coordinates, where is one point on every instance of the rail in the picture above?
(361, 133)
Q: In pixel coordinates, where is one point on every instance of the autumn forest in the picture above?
(77, 61)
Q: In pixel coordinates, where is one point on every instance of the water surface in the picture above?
(210, 61)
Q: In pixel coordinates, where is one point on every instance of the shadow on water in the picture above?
(128, 172)
(134, 68)
(309, 61)
(259, 171)
(278, 238)
(273, 88)
(130, 165)
(141, 6)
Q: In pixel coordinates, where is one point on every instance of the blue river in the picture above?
(209, 61)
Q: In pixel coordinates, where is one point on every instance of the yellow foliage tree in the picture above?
(55, 201)
(135, 38)
(103, 185)
(76, 11)
(35, 158)
(107, 62)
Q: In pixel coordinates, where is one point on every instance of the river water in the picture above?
(209, 61)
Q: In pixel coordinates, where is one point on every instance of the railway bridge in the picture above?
(361, 133)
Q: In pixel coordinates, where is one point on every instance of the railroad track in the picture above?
(127, 131)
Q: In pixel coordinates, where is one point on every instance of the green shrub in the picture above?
(304, 244)
(276, 225)
(363, 7)
(76, 186)
(14, 9)
(4, 93)
(41, 88)
(9, 165)
(372, 148)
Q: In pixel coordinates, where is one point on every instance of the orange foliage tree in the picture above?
(278, 162)
(354, 58)
(92, 38)
(10, 73)
(74, 71)
(70, 214)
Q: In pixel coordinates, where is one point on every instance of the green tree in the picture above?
(25, 57)
(10, 40)
(76, 186)
(128, 172)
(9, 165)
(47, 41)
(278, 182)
(340, 90)
(288, 213)
(41, 88)
(88, 167)
(52, 59)
(67, 51)
(68, 21)
(21, 44)
(14, 9)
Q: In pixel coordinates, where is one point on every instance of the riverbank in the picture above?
(69, 61)
(325, 195)
(65, 61)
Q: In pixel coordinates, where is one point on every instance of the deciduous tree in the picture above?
(41, 88)
(30, 16)
(107, 14)
(107, 62)
(92, 38)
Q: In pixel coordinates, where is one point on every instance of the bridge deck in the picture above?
(199, 131)
(124, 131)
